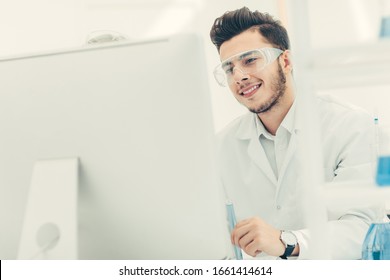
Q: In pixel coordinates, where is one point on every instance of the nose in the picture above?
(239, 75)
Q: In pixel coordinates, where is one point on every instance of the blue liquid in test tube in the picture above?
(232, 223)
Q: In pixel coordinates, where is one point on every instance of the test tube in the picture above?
(232, 223)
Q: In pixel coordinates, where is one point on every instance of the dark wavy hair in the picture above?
(233, 23)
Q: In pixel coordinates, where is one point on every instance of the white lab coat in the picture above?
(248, 179)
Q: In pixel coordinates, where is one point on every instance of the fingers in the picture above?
(252, 249)
(250, 244)
(239, 232)
(248, 241)
(243, 222)
(255, 236)
(246, 235)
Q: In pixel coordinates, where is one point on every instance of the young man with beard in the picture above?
(257, 153)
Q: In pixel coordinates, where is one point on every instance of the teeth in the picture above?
(250, 90)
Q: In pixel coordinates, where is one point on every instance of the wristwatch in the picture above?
(290, 241)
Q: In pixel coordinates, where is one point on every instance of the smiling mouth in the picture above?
(250, 91)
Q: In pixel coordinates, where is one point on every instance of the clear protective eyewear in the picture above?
(248, 62)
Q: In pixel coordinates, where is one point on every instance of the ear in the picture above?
(286, 62)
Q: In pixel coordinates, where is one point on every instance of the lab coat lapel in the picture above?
(247, 131)
(257, 154)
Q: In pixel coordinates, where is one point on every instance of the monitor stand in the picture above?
(49, 229)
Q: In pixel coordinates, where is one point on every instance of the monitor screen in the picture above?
(137, 116)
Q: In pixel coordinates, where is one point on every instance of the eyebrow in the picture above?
(248, 53)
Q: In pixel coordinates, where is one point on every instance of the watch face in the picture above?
(288, 238)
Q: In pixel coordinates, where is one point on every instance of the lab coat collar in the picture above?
(290, 119)
(261, 129)
(248, 124)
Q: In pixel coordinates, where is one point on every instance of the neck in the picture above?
(274, 117)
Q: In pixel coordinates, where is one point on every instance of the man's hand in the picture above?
(255, 236)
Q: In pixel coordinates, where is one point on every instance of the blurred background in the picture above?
(30, 26)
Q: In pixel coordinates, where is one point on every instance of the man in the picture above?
(257, 153)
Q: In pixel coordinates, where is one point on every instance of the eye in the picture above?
(250, 60)
(228, 70)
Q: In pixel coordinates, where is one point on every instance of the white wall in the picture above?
(344, 22)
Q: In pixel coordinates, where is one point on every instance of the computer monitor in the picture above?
(137, 116)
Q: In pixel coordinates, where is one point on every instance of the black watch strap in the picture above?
(287, 252)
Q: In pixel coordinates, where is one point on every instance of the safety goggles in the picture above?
(248, 62)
